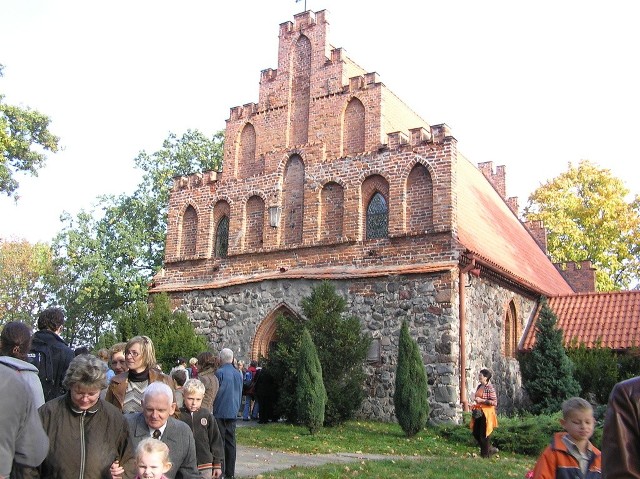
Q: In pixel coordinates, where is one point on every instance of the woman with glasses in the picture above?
(126, 389)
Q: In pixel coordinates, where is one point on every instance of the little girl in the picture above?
(152, 459)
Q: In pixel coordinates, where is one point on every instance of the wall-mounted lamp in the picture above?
(274, 216)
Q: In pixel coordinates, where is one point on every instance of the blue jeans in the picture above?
(248, 410)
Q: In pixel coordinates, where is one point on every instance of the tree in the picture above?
(596, 370)
(342, 349)
(587, 217)
(25, 270)
(172, 334)
(547, 371)
(411, 396)
(107, 258)
(311, 396)
(22, 129)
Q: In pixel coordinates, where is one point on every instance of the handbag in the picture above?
(477, 413)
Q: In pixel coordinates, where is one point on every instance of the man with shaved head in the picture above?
(156, 420)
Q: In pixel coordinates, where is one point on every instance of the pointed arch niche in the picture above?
(265, 338)
(353, 126)
(300, 91)
(512, 331)
(188, 232)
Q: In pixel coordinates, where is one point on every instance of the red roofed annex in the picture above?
(331, 176)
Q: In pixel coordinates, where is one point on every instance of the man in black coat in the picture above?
(49, 353)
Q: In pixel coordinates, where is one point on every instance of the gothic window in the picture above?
(511, 332)
(377, 217)
(222, 237)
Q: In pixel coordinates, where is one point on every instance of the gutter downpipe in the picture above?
(463, 333)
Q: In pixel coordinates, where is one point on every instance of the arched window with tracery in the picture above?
(511, 331)
(222, 237)
(377, 217)
(375, 197)
(354, 128)
(189, 232)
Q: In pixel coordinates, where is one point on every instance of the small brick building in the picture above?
(331, 176)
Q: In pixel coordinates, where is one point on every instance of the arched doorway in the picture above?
(265, 339)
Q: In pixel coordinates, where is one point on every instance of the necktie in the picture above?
(156, 434)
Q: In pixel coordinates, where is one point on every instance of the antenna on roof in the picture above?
(305, 5)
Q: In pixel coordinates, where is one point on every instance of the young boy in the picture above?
(152, 459)
(209, 447)
(570, 453)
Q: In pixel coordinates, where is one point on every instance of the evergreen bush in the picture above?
(547, 371)
(411, 396)
(596, 370)
(342, 350)
(311, 396)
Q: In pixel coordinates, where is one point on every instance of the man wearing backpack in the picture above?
(49, 353)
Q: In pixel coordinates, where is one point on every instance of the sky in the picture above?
(532, 86)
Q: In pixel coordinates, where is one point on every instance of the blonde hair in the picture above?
(103, 353)
(193, 386)
(147, 351)
(193, 361)
(575, 404)
(153, 446)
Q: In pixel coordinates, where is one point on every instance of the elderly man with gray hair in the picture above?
(225, 408)
(156, 420)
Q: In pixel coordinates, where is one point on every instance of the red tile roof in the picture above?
(490, 231)
(612, 317)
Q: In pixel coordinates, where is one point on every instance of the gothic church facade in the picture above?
(331, 176)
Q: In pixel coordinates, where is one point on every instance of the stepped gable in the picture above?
(613, 318)
(490, 231)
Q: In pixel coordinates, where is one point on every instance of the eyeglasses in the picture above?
(133, 354)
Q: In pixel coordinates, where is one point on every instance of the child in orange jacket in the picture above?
(570, 453)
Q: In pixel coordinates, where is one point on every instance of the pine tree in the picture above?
(547, 371)
(411, 397)
(311, 397)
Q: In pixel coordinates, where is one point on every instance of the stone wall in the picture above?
(231, 317)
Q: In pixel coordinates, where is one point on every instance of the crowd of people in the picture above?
(116, 414)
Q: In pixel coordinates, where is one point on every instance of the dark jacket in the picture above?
(118, 386)
(556, 462)
(179, 438)
(209, 447)
(621, 433)
(90, 439)
(61, 356)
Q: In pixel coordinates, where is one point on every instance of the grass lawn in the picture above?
(428, 454)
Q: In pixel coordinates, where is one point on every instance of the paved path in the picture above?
(252, 461)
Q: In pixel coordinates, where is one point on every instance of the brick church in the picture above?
(331, 176)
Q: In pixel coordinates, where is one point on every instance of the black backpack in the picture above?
(41, 356)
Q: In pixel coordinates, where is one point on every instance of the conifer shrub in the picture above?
(411, 396)
(596, 370)
(342, 349)
(547, 371)
(311, 396)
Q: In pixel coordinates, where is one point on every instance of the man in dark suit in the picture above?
(156, 420)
